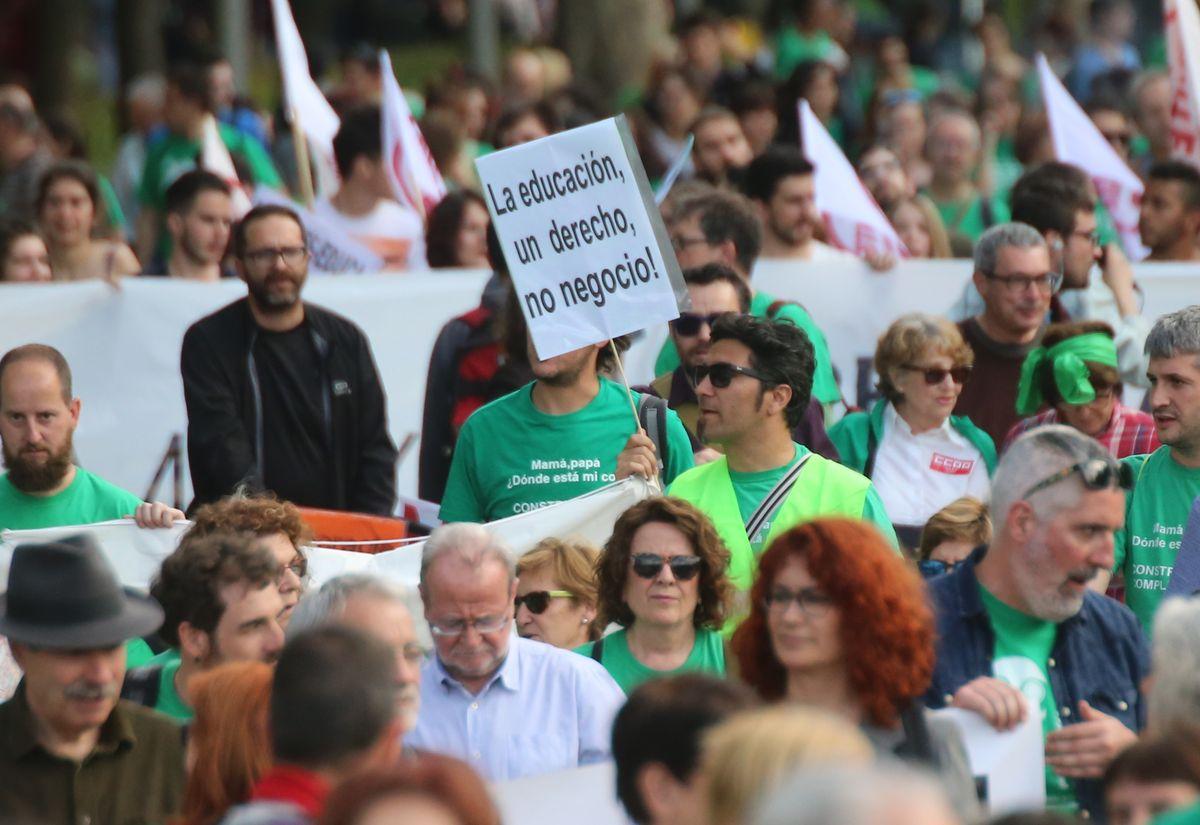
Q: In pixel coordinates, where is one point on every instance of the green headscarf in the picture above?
(1070, 372)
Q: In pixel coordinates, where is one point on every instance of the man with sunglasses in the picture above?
(283, 395)
(1019, 629)
(752, 392)
(509, 707)
(1167, 481)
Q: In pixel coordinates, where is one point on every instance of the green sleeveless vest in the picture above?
(824, 488)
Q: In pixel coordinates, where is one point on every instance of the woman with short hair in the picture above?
(556, 593)
(951, 534)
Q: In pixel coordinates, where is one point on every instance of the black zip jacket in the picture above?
(226, 416)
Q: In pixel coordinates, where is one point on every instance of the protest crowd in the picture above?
(962, 591)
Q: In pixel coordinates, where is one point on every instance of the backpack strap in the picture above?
(917, 744)
(141, 685)
(598, 650)
(774, 498)
(652, 415)
(872, 449)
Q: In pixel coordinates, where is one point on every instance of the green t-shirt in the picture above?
(1156, 510)
(966, 218)
(1183, 816)
(793, 47)
(1022, 653)
(825, 387)
(752, 488)
(137, 654)
(87, 500)
(513, 458)
(707, 656)
(169, 701)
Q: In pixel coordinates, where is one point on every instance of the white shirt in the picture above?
(393, 232)
(917, 475)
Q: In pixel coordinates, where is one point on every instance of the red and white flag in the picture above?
(215, 157)
(409, 164)
(305, 103)
(1078, 142)
(1183, 61)
(853, 221)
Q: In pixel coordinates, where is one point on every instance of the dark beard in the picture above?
(33, 477)
(267, 303)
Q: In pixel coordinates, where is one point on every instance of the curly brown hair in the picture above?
(612, 568)
(887, 630)
(259, 515)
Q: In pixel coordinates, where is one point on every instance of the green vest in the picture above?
(823, 488)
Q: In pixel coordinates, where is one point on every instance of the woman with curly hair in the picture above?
(839, 621)
(431, 790)
(662, 578)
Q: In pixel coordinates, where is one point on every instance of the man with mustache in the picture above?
(1021, 632)
(283, 395)
(222, 604)
(71, 752)
(43, 486)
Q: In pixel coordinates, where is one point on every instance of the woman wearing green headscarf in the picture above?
(1074, 373)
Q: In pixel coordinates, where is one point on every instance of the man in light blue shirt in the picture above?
(509, 707)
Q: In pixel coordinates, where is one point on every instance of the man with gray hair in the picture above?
(1020, 631)
(1167, 481)
(1015, 280)
(376, 607)
(508, 706)
(1173, 695)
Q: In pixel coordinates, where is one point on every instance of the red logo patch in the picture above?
(950, 465)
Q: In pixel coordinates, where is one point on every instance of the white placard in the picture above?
(1012, 763)
(586, 247)
(582, 796)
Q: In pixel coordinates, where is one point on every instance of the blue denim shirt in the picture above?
(1100, 656)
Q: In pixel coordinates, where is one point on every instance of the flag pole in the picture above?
(303, 169)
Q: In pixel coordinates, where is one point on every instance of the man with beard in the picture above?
(721, 152)
(222, 604)
(283, 395)
(568, 432)
(43, 486)
(1020, 631)
(780, 183)
(199, 217)
(1169, 221)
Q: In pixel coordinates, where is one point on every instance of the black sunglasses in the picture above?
(936, 375)
(721, 374)
(538, 600)
(1096, 474)
(683, 568)
(689, 323)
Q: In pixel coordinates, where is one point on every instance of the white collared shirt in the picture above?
(917, 475)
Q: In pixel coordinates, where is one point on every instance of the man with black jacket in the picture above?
(283, 395)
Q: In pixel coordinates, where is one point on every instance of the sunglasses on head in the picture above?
(721, 374)
(649, 565)
(936, 375)
(689, 323)
(1096, 474)
(538, 600)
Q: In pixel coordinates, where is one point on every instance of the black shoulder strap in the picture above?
(985, 211)
(141, 685)
(872, 449)
(652, 415)
(917, 745)
(598, 649)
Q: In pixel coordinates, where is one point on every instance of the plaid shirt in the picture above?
(1129, 431)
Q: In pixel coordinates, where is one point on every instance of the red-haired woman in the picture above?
(431, 790)
(229, 748)
(839, 621)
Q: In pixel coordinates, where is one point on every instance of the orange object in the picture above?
(337, 525)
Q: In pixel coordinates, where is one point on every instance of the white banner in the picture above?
(123, 345)
(583, 240)
(1077, 141)
(1182, 24)
(582, 796)
(408, 163)
(1011, 763)
(853, 221)
(331, 249)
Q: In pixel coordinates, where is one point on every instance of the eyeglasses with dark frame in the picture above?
(689, 323)
(936, 375)
(811, 601)
(263, 258)
(681, 242)
(722, 373)
(649, 565)
(538, 600)
(1046, 282)
(1096, 474)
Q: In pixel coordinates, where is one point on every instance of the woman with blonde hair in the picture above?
(951, 534)
(917, 222)
(556, 593)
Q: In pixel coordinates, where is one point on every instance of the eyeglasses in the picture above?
(538, 600)
(682, 242)
(930, 568)
(1048, 282)
(1096, 474)
(1092, 237)
(811, 601)
(936, 375)
(457, 627)
(721, 374)
(298, 565)
(689, 323)
(262, 258)
(649, 565)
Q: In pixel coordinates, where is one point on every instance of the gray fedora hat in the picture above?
(64, 595)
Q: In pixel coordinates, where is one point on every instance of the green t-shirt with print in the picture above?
(86, 500)
(825, 387)
(1021, 658)
(751, 488)
(513, 458)
(1156, 510)
(707, 656)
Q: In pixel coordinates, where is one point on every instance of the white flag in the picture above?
(1183, 60)
(411, 171)
(318, 121)
(1077, 141)
(215, 157)
(853, 221)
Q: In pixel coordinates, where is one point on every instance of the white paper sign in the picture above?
(1012, 763)
(586, 247)
(583, 796)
